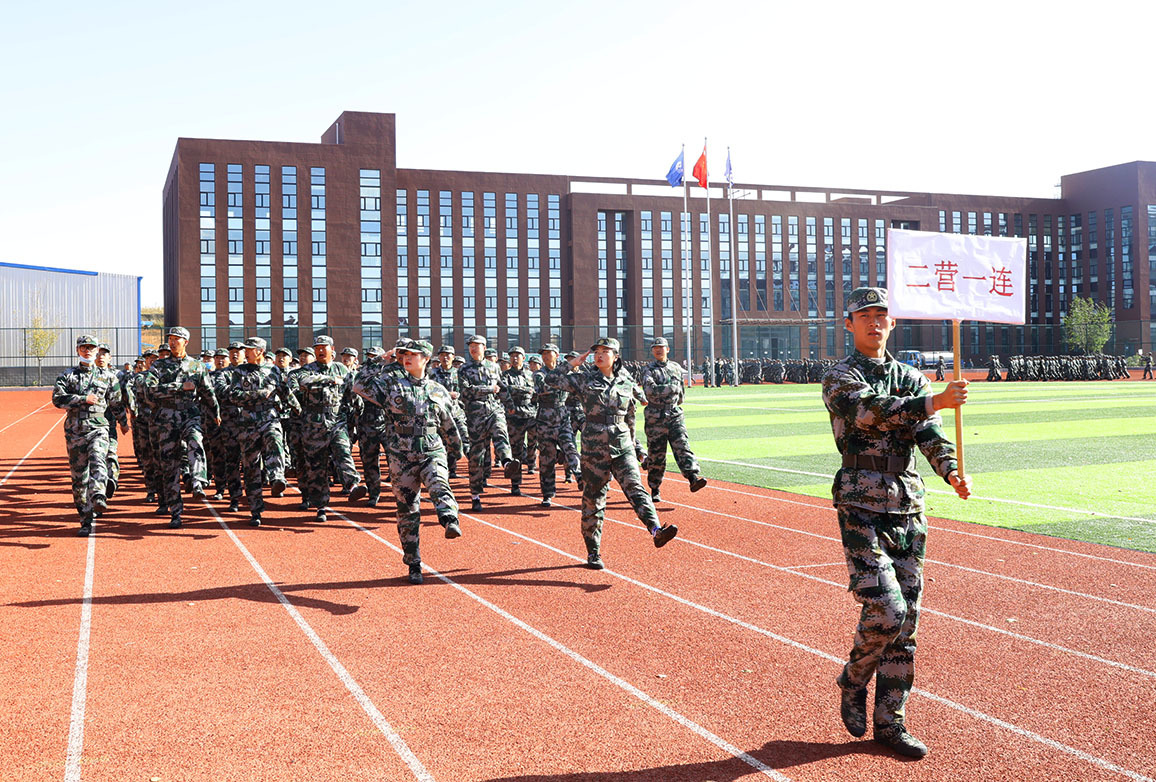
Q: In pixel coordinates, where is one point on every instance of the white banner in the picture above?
(956, 276)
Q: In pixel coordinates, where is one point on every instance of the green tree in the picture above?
(39, 338)
(1088, 325)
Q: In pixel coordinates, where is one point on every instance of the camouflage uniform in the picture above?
(320, 390)
(136, 399)
(517, 396)
(554, 434)
(486, 422)
(217, 439)
(662, 382)
(117, 415)
(176, 426)
(607, 447)
(448, 378)
(86, 431)
(880, 411)
(372, 434)
(253, 390)
(419, 411)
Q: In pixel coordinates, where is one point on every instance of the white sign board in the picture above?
(956, 276)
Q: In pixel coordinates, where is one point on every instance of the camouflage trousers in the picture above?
(520, 429)
(142, 447)
(228, 435)
(291, 426)
(176, 438)
(663, 428)
(322, 446)
(112, 456)
(369, 447)
(597, 469)
(86, 462)
(463, 431)
(262, 449)
(486, 426)
(531, 446)
(885, 560)
(215, 446)
(411, 471)
(555, 444)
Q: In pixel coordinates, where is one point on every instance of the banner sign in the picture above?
(944, 276)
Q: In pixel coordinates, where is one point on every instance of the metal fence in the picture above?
(35, 356)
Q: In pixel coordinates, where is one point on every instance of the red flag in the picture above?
(699, 170)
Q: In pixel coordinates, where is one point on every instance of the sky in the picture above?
(998, 98)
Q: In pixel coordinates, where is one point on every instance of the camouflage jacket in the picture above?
(136, 396)
(117, 411)
(663, 385)
(321, 391)
(165, 385)
(606, 401)
(879, 408)
(221, 380)
(448, 378)
(517, 393)
(286, 403)
(478, 379)
(73, 387)
(420, 413)
(253, 389)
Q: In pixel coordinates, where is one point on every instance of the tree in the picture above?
(39, 338)
(1088, 325)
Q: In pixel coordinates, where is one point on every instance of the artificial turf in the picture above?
(1086, 450)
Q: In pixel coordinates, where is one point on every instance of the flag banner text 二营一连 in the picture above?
(956, 276)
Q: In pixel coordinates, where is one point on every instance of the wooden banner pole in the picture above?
(957, 374)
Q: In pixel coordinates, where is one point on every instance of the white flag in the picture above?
(956, 276)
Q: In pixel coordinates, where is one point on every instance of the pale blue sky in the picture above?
(979, 97)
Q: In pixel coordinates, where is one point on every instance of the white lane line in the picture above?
(25, 456)
(945, 493)
(975, 714)
(80, 680)
(803, 409)
(657, 705)
(400, 747)
(830, 508)
(1000, 576)
(34, 412)
(821, 564)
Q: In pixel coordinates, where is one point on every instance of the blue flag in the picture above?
(674, 176)
(730, 175)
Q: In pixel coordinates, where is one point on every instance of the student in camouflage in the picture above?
(880, 411)
(174, 385)
(217, 439)
(320, 388)
(517, 396)
(420, 413)
(534, 362)
(86, 392)
(140, 421)
(446, 373)
(253, 390)
(116, 415)
(480, 387)
(575, 414)
(555, 438)
(607, 391)
(663, 384)
(305, 356)
(371, 424)
(286, 403)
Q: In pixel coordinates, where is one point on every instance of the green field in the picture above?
(1085, 450)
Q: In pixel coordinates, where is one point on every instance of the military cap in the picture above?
(491, 353)
(103, 346)
(402, 344)
(323, 339)
(238, 345)
(349, 352)
(660, 342)
(550, 346)
(420, 346)
(87, 339)
(179, 331)
(458, 360)
(286, 351)
(862, 298)
(375, 351)
(254, 343)
(445, 349)
(306, 351)
(607, 342)
(534, 359)
(221, 352)
(150, 352)
(572, 354)
(517, 349)
(477, 339)
(163, 349)
(206, 353)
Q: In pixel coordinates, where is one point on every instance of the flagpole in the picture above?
(734, 275)
(710, 261)
(687, 313)
(957, 374)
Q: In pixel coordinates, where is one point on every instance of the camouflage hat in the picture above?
(517, 349)
(491, 353)
(238, 345)
(323, 339)
(572, 354)
(206, 353)
(286, 351)
(660, 342)
(862, 298)
(87, 339)
(607, 342)
(254, 343)
(306, 351)
(349, 352)
(103, 346)
(178, 331)
(162, 348)
(477, 339)
(459, 360)
(534, 359)
(420, 346)
(550, 346)
(376, 351)
(221, 352)
(446, 349)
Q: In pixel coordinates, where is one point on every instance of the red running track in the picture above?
(298, 651)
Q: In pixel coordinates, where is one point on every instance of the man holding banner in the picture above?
(880, 410)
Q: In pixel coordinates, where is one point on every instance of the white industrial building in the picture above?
(43, 310)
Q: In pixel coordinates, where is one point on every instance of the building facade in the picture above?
(288, 240)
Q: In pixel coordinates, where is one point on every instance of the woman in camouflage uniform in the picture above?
(606, 392)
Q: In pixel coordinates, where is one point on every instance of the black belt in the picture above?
(890, 464)
(605, 419)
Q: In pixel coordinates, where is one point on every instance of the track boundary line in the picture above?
(1023, 503)
(33, 448)
(80, 678)
(396, 741)
(982, 716)
(619, 682)
(34, 412)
